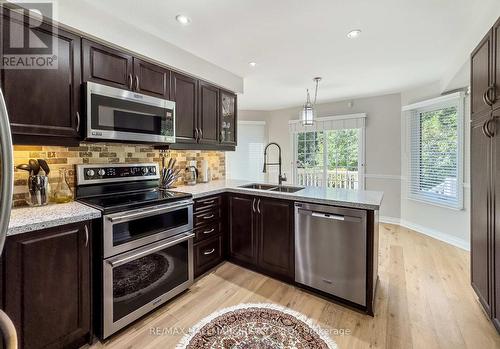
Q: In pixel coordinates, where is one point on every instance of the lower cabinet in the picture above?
(261, 234)
(208, 228)
(47, 291)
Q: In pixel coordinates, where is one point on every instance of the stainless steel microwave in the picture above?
(120, 115)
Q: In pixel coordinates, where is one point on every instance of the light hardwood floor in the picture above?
(424, 300)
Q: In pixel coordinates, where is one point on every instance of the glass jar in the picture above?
(63, 192)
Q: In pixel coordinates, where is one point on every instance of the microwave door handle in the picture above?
(6, 174)
(147, 251)
(146, 213)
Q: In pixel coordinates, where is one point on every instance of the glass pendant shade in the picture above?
(307, 116)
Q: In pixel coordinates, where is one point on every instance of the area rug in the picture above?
(256, 326)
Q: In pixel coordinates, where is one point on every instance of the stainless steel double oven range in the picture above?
(142, 246)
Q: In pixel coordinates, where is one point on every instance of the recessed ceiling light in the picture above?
(183, 19)
(353, 34)
(252, 64)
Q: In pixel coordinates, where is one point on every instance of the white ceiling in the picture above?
(404, 43)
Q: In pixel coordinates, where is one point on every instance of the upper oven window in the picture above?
(142, 227)
(114, 114)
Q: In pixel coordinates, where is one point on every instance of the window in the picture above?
(436, 142)
(330, 154)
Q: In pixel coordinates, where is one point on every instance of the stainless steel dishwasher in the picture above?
(330, 250)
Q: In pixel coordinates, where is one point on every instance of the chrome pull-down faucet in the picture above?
(281, 178)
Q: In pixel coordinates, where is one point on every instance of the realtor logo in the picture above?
(26, 42)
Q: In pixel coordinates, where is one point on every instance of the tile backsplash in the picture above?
(103, 153)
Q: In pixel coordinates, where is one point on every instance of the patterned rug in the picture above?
(256, 326)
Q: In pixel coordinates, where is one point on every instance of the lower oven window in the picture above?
(139, 228)
(142, 280)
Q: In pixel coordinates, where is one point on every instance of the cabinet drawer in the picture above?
(207, 254)
(206, 232)
(207, 217)
(206, 203)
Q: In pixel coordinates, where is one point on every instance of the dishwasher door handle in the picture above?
(328, 216)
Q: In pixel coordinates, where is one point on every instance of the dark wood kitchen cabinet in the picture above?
(106, 65)
(275, 237)
(242, 229)
(185, 95)
(261, 234)
(48, 289)
(151, 79)
(485, 173)
(228, 118)
(208, 118)
(44, 104)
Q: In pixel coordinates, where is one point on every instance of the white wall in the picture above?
(383, 125)
(446, 224)
(83, 17)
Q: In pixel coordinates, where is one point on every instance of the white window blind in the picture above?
(436, 151)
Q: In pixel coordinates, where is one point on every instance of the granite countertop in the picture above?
(364, 199)
(27, 219)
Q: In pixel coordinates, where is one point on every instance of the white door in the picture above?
(246, 162)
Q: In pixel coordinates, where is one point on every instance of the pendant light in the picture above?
(307, 116)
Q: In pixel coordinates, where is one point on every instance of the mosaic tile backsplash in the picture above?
(103, 153)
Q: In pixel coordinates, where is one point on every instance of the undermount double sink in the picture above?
(270, 187)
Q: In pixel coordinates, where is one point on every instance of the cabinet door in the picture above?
(44, 104)
(242, 231)
(480, 197)
(275, 238)
(228, 118)
(496, 229)
(106, 66)
(185, 95)
(496, 65)
(151, 79)
(209, 113)
(48, 297)
(481, 76)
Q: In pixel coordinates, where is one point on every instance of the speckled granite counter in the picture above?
(27, 219)
(364, 199)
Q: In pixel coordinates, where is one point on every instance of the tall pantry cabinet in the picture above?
(485, 173)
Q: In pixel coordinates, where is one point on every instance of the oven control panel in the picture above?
(92, 174)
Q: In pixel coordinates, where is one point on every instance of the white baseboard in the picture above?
(389, 220)
(449, 239)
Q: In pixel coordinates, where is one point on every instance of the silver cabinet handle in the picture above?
(130, 81)
(207, 202)
(201, 133)
(147, 251)
(253, 205)
(209, 217)
(6, 166)
(328, 216)
(206, 253)
(258, 206)
(486, 95)
(491, 132)
(137, 82)
(86, 236)
(209, 231)
(77, 121)
(222, 137)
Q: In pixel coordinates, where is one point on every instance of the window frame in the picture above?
(455, 100)
(361, 157)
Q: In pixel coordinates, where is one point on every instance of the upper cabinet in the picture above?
(151, 79)
(208, 118)
(227, 122)
(107, 66)
(185, 96)
(44, 104)
(485, 74)
(111, 67)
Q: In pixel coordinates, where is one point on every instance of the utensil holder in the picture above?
(38, 190)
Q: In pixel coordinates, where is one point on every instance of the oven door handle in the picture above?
(147, 212)
(116, 262)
